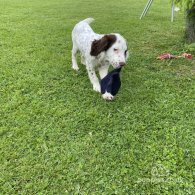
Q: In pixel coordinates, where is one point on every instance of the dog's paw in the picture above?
(96, 87)
(75, 67)
(108, 96)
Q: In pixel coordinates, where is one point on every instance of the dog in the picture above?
(97, 51)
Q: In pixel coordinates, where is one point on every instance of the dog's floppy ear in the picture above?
(102, 44)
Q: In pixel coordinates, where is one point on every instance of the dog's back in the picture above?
(82, 28)
(83, 35)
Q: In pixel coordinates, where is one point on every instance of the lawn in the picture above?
(58, 136)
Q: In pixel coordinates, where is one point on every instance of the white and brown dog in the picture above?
(97, 50)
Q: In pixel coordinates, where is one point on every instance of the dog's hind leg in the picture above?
(83, 60)
(74, 59)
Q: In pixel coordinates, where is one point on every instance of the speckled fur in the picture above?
(115, 53)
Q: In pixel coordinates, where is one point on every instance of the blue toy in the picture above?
(111, 83)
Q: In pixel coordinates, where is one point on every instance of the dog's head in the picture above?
(115, 48)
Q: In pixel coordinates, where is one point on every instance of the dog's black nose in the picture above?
(121, 64)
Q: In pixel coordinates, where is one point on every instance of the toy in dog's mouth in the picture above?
(111, 83)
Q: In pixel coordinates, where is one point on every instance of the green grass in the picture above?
(58, 136)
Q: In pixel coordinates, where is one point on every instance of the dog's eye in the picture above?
(126, 52)
(115, 49)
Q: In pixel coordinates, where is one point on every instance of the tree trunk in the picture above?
(190, 25)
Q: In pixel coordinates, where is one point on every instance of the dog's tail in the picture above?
(88, 20)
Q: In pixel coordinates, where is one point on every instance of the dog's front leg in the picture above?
(103, 70)
(93, 78)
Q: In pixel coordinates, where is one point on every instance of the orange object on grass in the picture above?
(187, 55)
(165, 56)
(170, 56)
